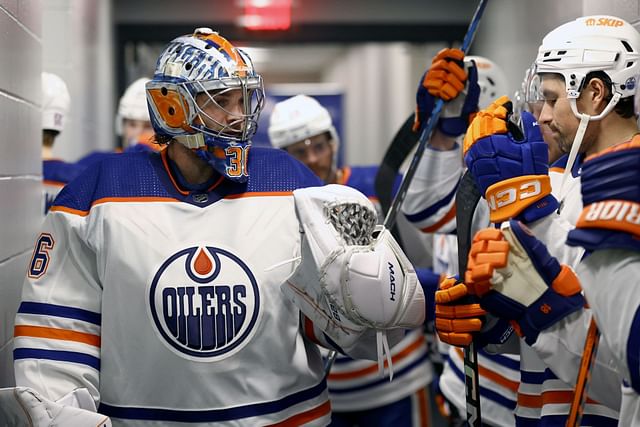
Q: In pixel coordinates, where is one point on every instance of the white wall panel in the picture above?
(21, 137)
(21, 214)
(13, 274)
(21, 62)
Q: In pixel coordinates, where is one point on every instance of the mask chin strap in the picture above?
(577, 140)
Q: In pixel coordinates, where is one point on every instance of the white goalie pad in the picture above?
(23, 406)
(349, 281)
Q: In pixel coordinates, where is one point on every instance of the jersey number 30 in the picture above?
(40, 258)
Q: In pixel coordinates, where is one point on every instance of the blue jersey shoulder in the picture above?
(273, 170)
(125, 175)
(60, 171)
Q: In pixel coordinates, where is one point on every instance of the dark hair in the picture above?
(161, 139)
(624, 107)
(48, 137)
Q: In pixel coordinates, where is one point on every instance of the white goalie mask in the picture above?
(207, 65)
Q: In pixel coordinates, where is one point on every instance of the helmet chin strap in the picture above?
(577, 140)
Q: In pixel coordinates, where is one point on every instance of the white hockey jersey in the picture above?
(542, 398)
(609, 279)
(166, 304)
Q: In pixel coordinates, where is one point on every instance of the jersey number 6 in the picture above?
(40, 258)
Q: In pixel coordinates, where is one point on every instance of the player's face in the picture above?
(316, 153)
(554, 148)
(222, 111)
(132, 129)
(556, 113)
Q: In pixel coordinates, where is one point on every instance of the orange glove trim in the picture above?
(566, 283)
(451, 294)
(509, 197)
(489, 121)
(459, 311)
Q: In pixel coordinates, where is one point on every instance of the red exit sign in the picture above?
(266, 14)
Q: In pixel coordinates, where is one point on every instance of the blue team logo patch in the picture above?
(205, 302)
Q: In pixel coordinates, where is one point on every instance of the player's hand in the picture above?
(450, 79)
(510, 166)
(517, 279)
(456, 316)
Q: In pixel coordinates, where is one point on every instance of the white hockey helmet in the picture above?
(55, 102)
(491, 79)
(133, 104)
(593, 43)
(298, 118)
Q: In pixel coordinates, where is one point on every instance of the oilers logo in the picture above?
(205, 303)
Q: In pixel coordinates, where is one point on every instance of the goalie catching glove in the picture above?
(517, 279)
(349, 281)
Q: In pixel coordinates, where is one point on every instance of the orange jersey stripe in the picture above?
(448, 217)
(260, 194)
(556, 169)
(53, 183)
(305, 417)
(494, 376)
(79, 212)
(374, 367)
(56, 334)
(547, 398)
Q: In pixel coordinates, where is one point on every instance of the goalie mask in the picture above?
(206, 95)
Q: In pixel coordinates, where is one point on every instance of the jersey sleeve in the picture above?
(611, 286)
(430, 201)
(57, 327)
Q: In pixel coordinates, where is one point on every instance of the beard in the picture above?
(565, 142)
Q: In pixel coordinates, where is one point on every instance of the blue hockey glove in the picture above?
(517, 279)
(454, 81)
(510, 168)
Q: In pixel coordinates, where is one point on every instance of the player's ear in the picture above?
(597, 92)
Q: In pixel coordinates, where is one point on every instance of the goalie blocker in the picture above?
(351, 281)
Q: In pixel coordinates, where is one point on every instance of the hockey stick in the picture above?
(390, 219)
(584, 374)
(467, 198)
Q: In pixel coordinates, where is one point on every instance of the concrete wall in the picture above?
(77, 45)
(20, 166)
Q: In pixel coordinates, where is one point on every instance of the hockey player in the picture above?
(132, 124)
(56, 101)
(431, 207)
(193, 285)
(301, 126)
(588, 70)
